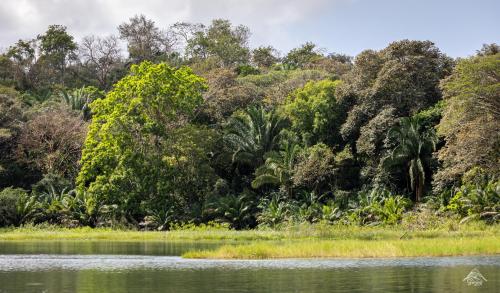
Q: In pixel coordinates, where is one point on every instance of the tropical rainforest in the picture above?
(157, 127)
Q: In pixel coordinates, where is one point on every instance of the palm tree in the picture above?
(414, 144)
(252, 134)
(278, 168)
(236, 209)
(80, 99)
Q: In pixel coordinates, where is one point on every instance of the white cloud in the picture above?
(268, 20)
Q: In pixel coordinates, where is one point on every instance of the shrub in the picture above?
(377, 206)
(16, 206)
(477, 201)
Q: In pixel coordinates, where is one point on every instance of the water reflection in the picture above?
(110, 267)
(102, 247)
(263, 279)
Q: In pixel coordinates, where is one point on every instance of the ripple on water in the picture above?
(42, 262)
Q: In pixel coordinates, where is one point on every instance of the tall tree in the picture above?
(315, 112)
(398, 81)
(23, 56)
(57, 48)
(125, 159)
(228, 44)
(302, 56)
(265, 57)
(12, 118)
(253, 133)
(470, 119)
(101, 55)
(51, 142)
(278, 168)
(145, 41)
(413, 147)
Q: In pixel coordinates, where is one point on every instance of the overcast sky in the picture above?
(458, 27)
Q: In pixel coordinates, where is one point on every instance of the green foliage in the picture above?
(123, 160)
(16, 207)
(315, 167)
(278, 168)
(245, 69)
(273, 141)
(253, 133)
(382, 86)
(236, 210)
(470, 119)
(57, 47)
(274, 211)
(221, 41)
(377, 206)
(301, 56)
(264, 57)
(80, 99)
(12, 117)
(277, 85)
(477, 198)
(315, 113)
(413, 147)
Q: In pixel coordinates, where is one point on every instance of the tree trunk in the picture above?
(419, 189)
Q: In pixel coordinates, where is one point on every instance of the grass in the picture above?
(296, 241)
(354, 248)
(218, 233)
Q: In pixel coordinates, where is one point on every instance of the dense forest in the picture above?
(191, 125)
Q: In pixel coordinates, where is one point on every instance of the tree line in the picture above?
(194, 126)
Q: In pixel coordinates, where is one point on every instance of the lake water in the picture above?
(156, 267)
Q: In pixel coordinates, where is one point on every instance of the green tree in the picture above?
(229, 45)
(413, 147)
(253, 133)
(12, 118)
(265, 57)
(315, 113)
(398, 81)
(404, 76)
(302, 56)
(278, 169)
(124, 160)
(23, 57)
(315, 168)
(57, 48)
(226, 95)
(187, 155)
(471, 116)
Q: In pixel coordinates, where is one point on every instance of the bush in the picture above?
(377, 206)
(16, 206)
(274, 211)
(477, 200)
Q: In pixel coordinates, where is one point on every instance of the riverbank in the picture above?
(300, 241)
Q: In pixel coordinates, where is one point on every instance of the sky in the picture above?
(457, 27)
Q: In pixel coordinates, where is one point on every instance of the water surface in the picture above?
(156, 267)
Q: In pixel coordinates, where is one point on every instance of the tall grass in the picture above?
(223, 233)
(353, 248)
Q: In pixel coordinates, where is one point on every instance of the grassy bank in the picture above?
(308, 240)
(217, 233)
(355, 248)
